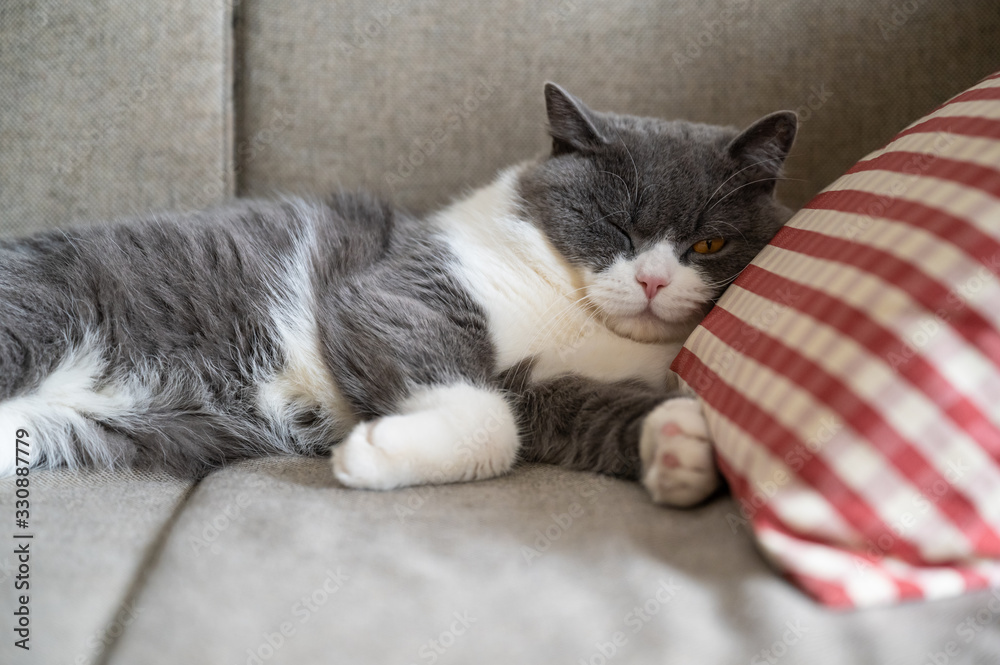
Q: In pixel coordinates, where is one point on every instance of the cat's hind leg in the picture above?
(57, 418)
(441, 434)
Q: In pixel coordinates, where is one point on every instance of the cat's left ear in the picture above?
(767, 142)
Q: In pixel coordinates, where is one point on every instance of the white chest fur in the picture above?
(533, 297)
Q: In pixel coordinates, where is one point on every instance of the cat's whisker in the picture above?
(617, 212)
(735, 228)
(594, 312)
(550, 324)
(588, 305)
(633, 196)
(722, 282)
(727, 281)
(620, 178)
(763, 161)
(752, 182)
(652, 184)
(560, 317)
(635, 168)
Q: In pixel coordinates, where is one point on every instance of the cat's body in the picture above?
(534, 319)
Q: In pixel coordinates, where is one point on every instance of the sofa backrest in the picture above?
(138, 106)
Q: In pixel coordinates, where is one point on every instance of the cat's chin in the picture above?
(649, 329)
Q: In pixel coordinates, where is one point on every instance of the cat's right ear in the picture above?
(768, 141)
(572, 125)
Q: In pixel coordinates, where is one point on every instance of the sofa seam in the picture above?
(150, 561)
(229, 96)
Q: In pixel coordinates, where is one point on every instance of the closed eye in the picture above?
(625, 234)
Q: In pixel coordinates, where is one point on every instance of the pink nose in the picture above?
(651, 284)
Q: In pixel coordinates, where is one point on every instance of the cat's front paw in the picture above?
(366, 459)
(676, 451)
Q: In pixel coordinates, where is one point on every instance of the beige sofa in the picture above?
(115, 107)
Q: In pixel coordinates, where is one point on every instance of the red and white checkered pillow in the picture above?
(851, 375)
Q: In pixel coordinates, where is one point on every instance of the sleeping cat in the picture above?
(533, 320)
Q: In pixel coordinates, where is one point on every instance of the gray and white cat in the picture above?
(535, 319)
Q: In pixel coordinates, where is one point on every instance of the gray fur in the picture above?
(618, 184)
(582, 424)
(185, 298)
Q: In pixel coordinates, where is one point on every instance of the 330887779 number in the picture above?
(23, 458)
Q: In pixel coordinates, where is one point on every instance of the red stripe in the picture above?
(957, 124)
(971, 95)
(953, 230)
(923, 289)
(763, 516)
(783, 442)
(991, 77)
(975, 95)
(971, 578)
(858, 326)
(923, 164)
(909, 590)
(862, 418)
(829, 593)
(835, 595)
(764, 519)
(908, 587)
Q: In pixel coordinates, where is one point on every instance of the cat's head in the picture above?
(657, 217)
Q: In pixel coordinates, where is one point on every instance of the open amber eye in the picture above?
(710, 246)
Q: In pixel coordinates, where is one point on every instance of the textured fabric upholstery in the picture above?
(93, 533)
(112, 107)
(543, 567)
(353, 93)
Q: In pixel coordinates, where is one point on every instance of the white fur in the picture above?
(441, 434)
(671, 314)
(677, 431)
(61, 409)
(534, 299)
(304, 380)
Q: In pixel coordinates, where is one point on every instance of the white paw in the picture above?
(444, 434)
(676, 452)
(369, 458)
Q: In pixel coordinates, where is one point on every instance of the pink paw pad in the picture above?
(670, 461)
(670, 429)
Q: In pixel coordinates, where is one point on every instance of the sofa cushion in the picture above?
(274, 563)
(850, 374)
(423, 99)
(93, 533)
(111, 108)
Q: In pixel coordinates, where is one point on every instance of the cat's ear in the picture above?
(766, 142)
(572, 125)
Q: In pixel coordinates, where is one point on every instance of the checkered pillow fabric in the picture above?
(851, 375)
